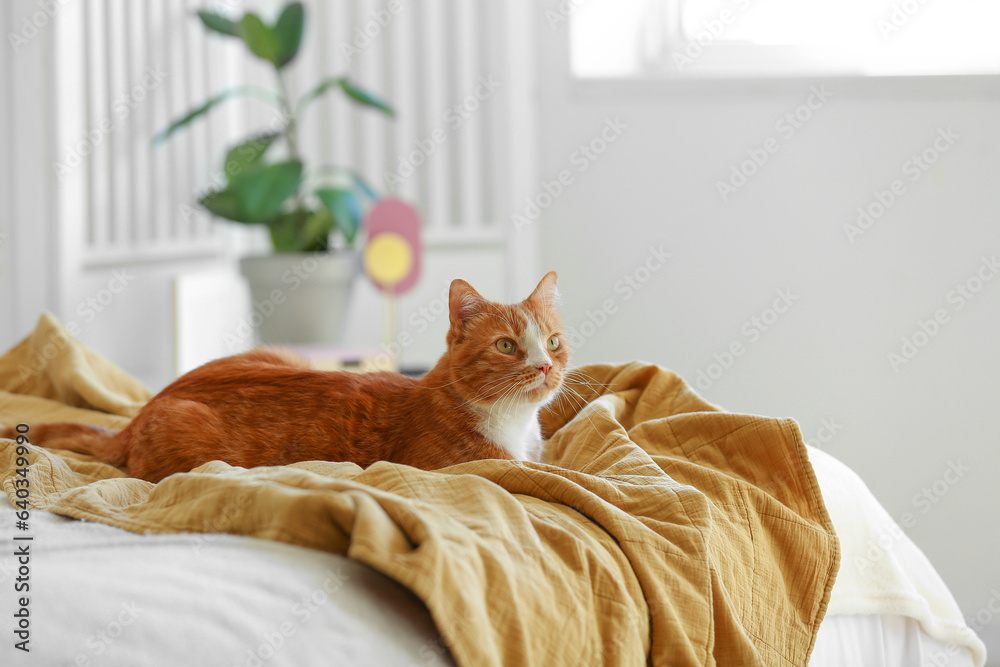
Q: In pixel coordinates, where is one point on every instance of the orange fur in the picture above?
(267, 407)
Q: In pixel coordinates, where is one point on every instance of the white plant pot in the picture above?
(301, 298)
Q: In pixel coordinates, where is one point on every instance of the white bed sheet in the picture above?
(882, 640)
(103, 596)
(885, 577)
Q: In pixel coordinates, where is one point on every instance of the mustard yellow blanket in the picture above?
(659, 530)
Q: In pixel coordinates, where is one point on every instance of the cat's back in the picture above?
(276, 375)
(266, 407)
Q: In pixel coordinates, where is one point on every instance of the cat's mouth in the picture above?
(545, 384)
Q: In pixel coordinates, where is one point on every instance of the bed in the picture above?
(658, 529)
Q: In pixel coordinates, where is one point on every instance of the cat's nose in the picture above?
(545, 368)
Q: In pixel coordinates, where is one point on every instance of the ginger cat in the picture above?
(266, 407)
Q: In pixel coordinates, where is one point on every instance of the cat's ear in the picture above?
(463, 302)
(547, 294)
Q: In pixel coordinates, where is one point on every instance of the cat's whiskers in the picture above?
(465, 377)
(448, 384)
(569, 394)
(579, 377)
(572, 395)
(582, 405)
(511, 393)
(578, 371)
(491, 395)
(493, 405)
(508, 376)
(489, 390)
(480, 398)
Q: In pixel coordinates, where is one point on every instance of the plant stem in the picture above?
(292, 129)
(292, 136)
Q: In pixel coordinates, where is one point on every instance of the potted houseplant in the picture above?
(313, 216)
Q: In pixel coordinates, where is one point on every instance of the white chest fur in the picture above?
(513, 427)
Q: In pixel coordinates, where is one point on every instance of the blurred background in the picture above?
(791, 204)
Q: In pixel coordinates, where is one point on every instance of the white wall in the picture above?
(825, 358)
(26, 213)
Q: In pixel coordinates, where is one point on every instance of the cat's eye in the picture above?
(506, 345)
(553, 343)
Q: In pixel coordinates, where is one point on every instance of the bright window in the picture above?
(704, 38)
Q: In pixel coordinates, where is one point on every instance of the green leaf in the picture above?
(301, 231)
(352, 91)
(288, 30)
(316, 232)
(364, 97)
(319, 89)
(286, 232)
(247, 154)
(345, 209)
(195, 113)
(218, 23)
(209, 104)
(261, 40)
(262, 192)
(224, 204)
